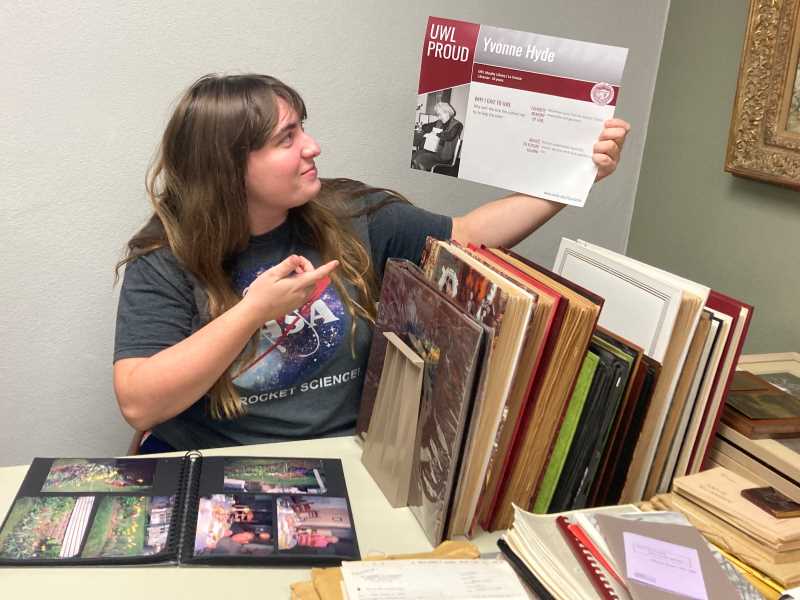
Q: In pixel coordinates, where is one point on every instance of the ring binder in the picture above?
(187, 503)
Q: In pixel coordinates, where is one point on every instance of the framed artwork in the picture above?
(764, 139)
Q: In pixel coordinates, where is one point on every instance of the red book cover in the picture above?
(554, 423)
(534, 381)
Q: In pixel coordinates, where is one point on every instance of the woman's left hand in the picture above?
(608, 147)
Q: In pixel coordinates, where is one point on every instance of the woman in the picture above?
(443, 134)
(245, 308)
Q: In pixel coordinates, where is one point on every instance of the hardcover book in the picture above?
(741, 315)
(720, 491)
(756, 398)
(590, 439)
(680, 404)
(507, 309)
(566, 434)
(655, 309)
(553, 392)
(450, 342)
(782, 455)
(539, 344)
(725, 321)
(698, 394)
(619, 428)
(779, 566)
(612, 490)
(772, 501)
(623, 364)
(183, 510)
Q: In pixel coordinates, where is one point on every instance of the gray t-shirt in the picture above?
(304, 381)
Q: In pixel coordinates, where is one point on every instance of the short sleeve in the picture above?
(156, 306)
(399, 230)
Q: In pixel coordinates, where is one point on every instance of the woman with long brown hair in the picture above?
(247, 297)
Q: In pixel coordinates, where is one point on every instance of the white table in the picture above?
(379, 527)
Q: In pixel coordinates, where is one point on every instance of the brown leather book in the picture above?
(772, 501)
(758, 409)
(450, 342)
(508, 309)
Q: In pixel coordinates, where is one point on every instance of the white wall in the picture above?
(86, 91)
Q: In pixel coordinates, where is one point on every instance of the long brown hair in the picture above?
(196, 185)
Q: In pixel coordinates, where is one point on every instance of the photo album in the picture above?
(183, 510)
(516, 110)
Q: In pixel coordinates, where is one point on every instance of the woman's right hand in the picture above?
(283, 288)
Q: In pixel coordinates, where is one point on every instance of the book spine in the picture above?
(187, 501)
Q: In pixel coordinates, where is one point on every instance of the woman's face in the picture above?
(281, 174)
(443, 115)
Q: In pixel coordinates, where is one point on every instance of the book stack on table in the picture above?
(748, 503)
(618, 553)
(752, 527)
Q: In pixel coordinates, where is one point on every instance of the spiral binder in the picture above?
(186, 517)
(587, 560)
(162, 526)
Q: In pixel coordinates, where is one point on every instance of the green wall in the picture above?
(738, 236)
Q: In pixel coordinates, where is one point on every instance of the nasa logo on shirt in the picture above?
(297, 343)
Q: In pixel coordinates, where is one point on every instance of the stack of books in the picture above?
(619, 552)
(590, 384)
(752, 525)
(759, 437)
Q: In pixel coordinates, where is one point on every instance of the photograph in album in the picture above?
(257, 476)
(129, 526)
(235, 524)
(316, 525)
(114, 475)
(45, 527)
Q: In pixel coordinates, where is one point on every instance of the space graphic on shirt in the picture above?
(296, 344)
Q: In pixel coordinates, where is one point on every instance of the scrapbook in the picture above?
(180, 510)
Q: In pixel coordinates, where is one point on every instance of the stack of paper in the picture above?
(713, 502)
(619, 552)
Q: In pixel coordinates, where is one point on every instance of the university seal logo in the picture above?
(602, 93)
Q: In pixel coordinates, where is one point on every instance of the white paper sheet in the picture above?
(432, 580)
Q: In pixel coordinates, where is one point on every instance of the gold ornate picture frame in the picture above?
(764, 139)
